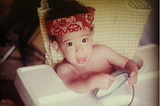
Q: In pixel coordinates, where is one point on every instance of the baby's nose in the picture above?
(79, 48)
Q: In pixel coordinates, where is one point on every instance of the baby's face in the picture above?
(76, 47)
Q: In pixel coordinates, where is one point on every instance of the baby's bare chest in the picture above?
(98, 66)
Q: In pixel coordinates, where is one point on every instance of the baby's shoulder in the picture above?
(101, 48)
(64, 65)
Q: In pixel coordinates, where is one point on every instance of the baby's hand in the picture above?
(133, 78)
(103, 81)
(133, 68)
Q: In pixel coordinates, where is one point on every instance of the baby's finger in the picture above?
(109, 84)
(132, 80)
(132, 74)
(111, 77)
(132, 83)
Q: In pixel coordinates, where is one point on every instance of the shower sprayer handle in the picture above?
(122, 71)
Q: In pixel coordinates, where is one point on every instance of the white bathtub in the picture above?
(40, 86)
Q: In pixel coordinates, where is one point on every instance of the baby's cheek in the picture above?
(88, 48)
(70, 56)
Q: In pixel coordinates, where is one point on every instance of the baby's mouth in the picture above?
(81, 60)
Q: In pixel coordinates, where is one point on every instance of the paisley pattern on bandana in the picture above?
(71, 24)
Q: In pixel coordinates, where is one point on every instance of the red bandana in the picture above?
(71, 24)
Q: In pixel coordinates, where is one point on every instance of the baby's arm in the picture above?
(122, 62)
(78, 85)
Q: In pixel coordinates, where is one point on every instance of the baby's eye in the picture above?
(85, 40)
(69, 44)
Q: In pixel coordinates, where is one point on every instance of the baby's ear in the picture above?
(56, 46)
(92, 33)
(92, 29)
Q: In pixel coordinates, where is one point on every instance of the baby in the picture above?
(85, 66)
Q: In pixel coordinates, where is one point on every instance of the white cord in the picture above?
(133, 94)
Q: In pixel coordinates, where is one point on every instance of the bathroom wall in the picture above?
(150, 33)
